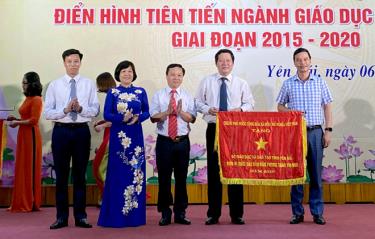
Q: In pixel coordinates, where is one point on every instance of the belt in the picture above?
(176, 140)
(70, 125)
(312, 127)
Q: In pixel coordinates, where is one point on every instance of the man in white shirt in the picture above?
(173, 109)
(222, 91)
(71, 101)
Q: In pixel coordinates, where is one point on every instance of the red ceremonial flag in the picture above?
(3, 142)
(267, 148)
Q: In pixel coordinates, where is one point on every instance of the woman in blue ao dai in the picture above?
(124, 197)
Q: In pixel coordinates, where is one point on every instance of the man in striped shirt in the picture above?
(309, 94)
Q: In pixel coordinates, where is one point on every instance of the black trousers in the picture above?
(71, 141)
(172, 157)
(235, 192)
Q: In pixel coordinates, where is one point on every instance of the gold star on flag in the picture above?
(261, 144)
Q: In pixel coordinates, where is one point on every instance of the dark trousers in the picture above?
(235, 192)
(172, 157)
(314, 167)
(71, 141)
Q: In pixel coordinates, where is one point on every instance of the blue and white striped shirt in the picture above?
(307, 96)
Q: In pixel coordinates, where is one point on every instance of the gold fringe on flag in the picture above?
(270, 182)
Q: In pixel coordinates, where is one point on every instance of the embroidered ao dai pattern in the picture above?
(124, 198)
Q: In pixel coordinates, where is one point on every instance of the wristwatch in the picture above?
(328, 129)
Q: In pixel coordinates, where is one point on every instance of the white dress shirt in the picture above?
(208, 95)
(58, 97)
(160, 103)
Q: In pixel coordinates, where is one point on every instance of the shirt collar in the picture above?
(169, 89)
(68, 78)
(311, 77)
(229, 77)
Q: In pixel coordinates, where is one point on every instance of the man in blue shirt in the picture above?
(309, 94)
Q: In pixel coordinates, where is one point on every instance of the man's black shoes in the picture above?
(212, 221)
(237, 221)
(83, 223)
(319, 220)
(182, 220)
(299, 218)
(296, 219)
(59, 223)
(164, 221)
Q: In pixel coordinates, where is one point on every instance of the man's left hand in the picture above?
(326, 139)
(236, 109)
(179, 106)
(76, 107)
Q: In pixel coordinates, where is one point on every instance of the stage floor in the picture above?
(262, 221)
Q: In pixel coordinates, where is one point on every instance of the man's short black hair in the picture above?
(170, 66)
(299, 50)
(223, 51)
(72, 52)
